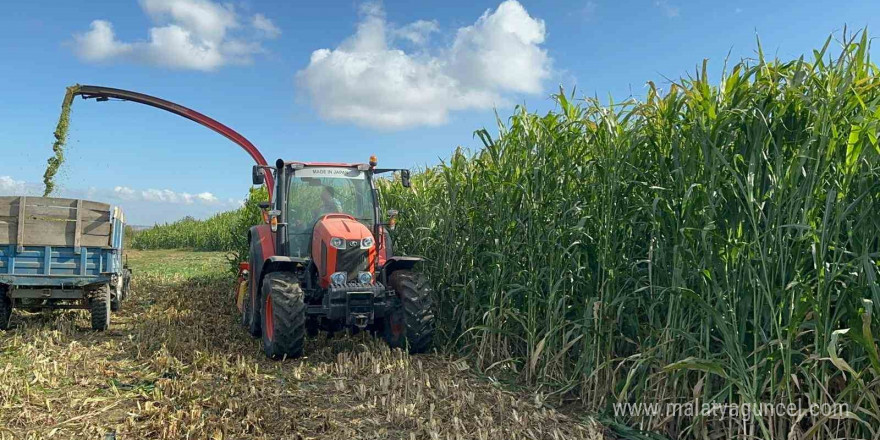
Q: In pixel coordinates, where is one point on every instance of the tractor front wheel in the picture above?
(412, 323)
(283, 316)
(99, 306)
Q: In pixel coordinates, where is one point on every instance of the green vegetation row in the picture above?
(226, 231)
(714, 244)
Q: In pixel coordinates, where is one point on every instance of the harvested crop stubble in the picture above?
(176, 364)
(55, 162)
(711, 244)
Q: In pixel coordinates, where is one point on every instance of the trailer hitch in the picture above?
(361, 320)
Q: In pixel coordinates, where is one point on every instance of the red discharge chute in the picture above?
(105, 93)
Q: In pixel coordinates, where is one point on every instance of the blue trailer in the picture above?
(61, 254)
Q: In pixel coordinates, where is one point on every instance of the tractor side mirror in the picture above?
(258, 175)
(404, 178)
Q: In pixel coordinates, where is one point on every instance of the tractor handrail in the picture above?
(104, 93)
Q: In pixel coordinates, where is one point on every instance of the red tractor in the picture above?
(324, 261)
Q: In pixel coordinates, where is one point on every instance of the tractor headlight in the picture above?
(338, 243)
(367, 243)
(365, 277)
(338, 278)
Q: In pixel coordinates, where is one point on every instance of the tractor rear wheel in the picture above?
(99, 306)
(250, 314)
(283, 316)
(412, 324)
(5, 309)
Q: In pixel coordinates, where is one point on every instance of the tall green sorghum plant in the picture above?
(708, 245)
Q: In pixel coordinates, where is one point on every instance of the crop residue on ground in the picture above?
(61, 129)
(175, 363)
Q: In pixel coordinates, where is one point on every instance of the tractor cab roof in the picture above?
(371, 165)
(327, 164)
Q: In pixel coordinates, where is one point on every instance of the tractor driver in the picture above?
(329, 203)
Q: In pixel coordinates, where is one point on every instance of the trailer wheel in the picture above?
(126, 283)
(412, 323)
(5, 309)
(283, 316)
(99, 306)
(116, 298)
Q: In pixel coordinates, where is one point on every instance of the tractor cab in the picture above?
(324, 262)
(314, 192)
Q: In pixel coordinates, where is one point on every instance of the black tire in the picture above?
(116, 300)
(99, 307)
(126, 284)
(250, 315)
(284, 316)
(5, 309)
(412, 323)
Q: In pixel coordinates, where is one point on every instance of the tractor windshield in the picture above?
(316, 191)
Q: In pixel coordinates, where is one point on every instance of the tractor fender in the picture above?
(277, 263)
(398, 263)
(262, 249)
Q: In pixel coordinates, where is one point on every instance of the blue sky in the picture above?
(407, 81)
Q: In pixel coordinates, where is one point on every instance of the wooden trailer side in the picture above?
(46, 221)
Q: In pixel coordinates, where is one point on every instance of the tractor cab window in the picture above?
(317, 191)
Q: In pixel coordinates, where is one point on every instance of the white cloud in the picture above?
(265, 25)
(189, 34)
(206, 197)
(99, 43)
(502, 50)
(418, 32)
(124, 192)
(367, 80)
(12, 187)
(204, 18)
(164, 196)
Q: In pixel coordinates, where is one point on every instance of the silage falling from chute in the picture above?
(55, 162)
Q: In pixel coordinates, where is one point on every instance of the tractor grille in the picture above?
(352, 260)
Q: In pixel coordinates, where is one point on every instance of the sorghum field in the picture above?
(714, 243)
(717, 243)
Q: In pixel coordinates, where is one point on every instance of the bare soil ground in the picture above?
(176, 364)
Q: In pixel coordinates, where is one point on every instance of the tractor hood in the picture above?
(341, 244)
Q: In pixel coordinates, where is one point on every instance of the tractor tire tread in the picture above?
(288, 316)
(418, 308)
(251, 318)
